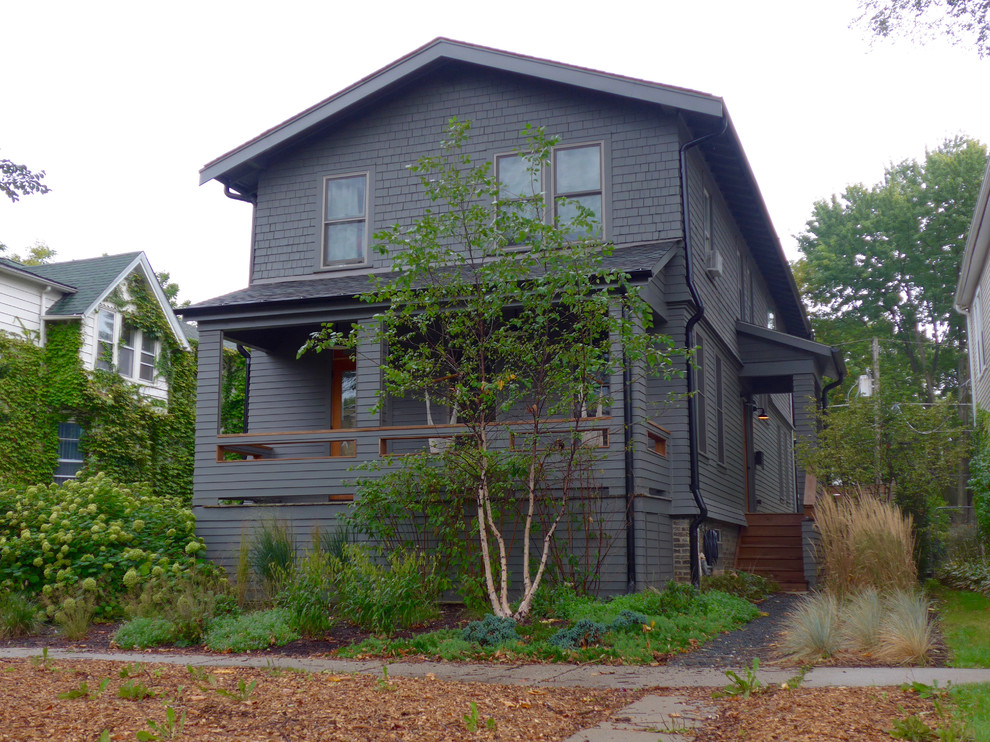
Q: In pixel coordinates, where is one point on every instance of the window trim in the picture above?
(364, 260)
(707, 223)
(977, 347)
(102, 345)
(554, 195)
(539, 200)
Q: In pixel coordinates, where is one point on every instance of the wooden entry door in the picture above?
(343, 400)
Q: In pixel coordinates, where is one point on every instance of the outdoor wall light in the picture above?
(761, 414)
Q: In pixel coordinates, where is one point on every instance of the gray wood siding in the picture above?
(654, 542)
(398, 131)
(288, 393)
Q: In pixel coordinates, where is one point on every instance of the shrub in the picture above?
(491, 630)
(865, 542)
(384, 599)
(906, 633)
(53, 537)
(861, 619)
(249, 631)
(814, 628)
(140, 633)
(741, 584)
(628, 619)
(966, 575)
(188, 601)
(273, 555)
(19, 615)
(582, 634)
(312, 593)
(74, 614)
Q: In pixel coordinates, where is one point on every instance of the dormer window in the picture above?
(577, 176)
(136, 351)
(345, 222)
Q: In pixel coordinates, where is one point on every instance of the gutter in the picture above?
(688, 344)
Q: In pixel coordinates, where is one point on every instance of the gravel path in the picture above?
(738, 649)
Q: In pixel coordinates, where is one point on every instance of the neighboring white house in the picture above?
(973, 295)
(89, 292)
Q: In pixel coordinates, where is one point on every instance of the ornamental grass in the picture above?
(865, 543)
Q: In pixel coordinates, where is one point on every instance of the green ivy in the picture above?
(979, 470)
(28, 427)
(129, 437)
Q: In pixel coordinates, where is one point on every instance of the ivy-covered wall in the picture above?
(129, 437)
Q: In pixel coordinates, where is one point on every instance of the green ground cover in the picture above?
(966, 627)
(633, 629)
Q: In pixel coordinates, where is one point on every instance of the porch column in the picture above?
(369, 376)
(209, 378)
(805, 400)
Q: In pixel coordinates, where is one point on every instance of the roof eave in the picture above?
(977, 246)
(446, 50)
(28, 275)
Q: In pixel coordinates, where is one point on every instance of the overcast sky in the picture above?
(123, 102)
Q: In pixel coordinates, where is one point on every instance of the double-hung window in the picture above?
(577, 180)
(149, 354)
(345, 219)
(125, 350)
(520, 191)
(105, 326)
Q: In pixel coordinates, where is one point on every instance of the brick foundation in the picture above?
(727, 548)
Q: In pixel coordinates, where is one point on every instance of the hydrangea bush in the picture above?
(56, 538)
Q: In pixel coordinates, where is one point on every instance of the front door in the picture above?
(343, 400)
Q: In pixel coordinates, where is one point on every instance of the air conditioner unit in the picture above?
(714, 269)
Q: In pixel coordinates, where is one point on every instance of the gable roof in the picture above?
(89, 281)
(239, 169)
(27, 272)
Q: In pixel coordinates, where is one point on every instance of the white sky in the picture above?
(122, 102)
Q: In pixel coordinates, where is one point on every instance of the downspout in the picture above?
(829, 387)
(627, 416)
(246, 355)
(689, 343)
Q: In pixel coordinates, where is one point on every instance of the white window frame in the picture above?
(364, 218)
(103, 344)
(600, 191)
(78, 463)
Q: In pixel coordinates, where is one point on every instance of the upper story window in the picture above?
(133, 353)
(345, 222)
(520, 189)
(577, 176)
(706, 235)
(106, 323)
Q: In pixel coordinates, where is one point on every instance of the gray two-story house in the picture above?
(662, 170)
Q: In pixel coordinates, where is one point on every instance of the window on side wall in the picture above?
(977, 347)
(345, 222)
(719, 411)
(701, 399)
(70, 459)
(105, 326)
(577, 178)
(706, 213)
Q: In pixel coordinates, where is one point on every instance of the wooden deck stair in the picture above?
(771, 546)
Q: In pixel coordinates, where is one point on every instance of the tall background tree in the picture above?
(882, 261)
(963, 21)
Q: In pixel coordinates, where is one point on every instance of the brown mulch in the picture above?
(816, 715)
(284, 705)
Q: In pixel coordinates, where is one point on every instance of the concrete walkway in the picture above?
(654, 717)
